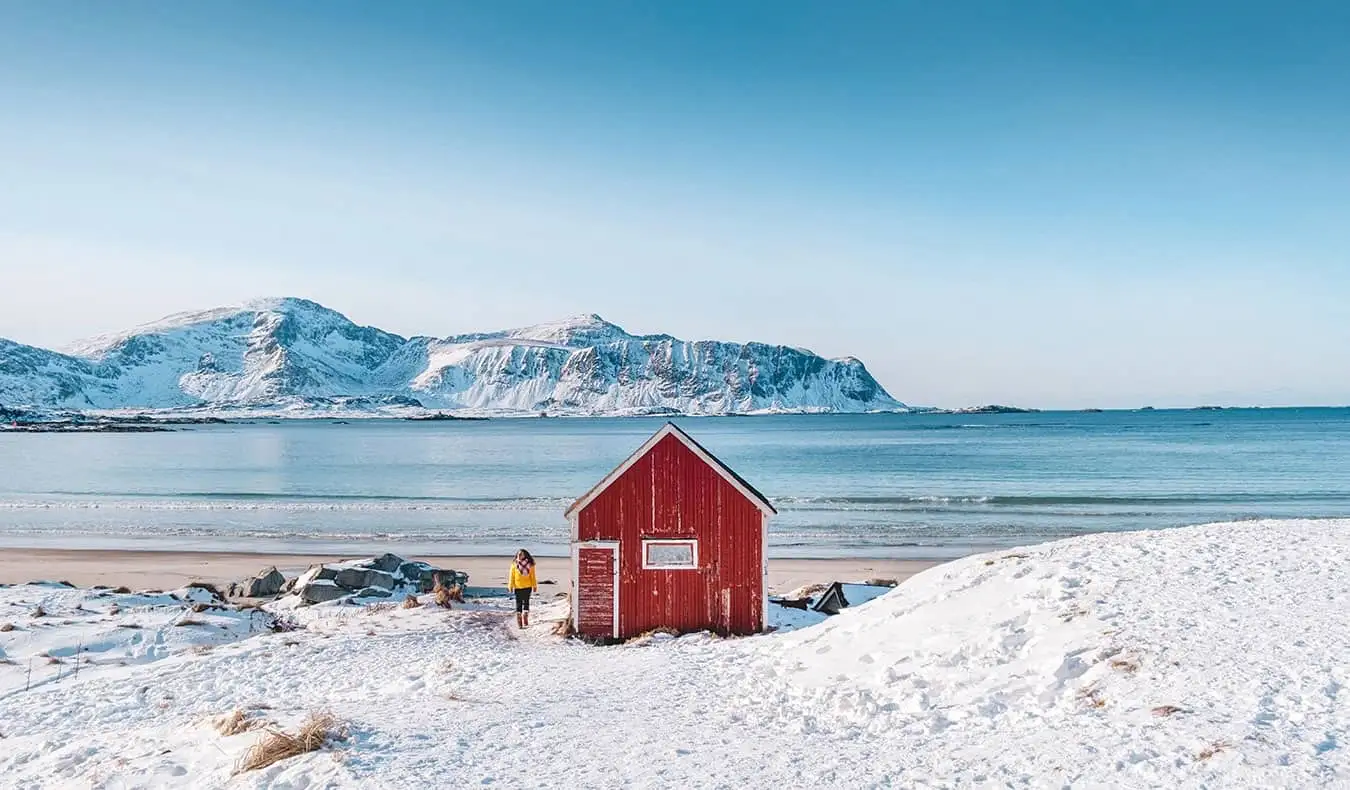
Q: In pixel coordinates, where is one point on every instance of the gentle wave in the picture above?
(291, 504)
(244, 501)
(1166, 499)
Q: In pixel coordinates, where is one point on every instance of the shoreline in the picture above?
(166, 570)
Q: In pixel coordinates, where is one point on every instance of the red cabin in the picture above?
(672, 538)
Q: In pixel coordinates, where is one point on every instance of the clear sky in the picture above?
(1040, 203)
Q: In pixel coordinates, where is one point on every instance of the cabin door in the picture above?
(598, 589)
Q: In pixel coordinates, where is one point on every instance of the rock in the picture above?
(374, 592)
(317, 572)
(322, 590)
(290, 584)
(360, 578)
(389, 563)
(266, 584)
(414, 572)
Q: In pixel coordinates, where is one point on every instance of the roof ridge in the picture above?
(670, 428)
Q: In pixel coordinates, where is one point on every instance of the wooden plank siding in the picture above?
(671, 493)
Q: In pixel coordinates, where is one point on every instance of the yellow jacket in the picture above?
(516, 580)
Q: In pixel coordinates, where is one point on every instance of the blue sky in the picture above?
(1050, 204)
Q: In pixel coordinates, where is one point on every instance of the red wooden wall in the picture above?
(672, 493)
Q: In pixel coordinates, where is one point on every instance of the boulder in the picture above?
(389, 563)
(414, 572)
(360, 578)
(374, 592)
(266, 584)
(322, 590)
(316, 572)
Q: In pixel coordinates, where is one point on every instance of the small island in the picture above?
(989, 409)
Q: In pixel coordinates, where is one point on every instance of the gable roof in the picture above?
(671, 429)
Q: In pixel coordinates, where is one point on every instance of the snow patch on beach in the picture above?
(52, 633)
(1202, 656)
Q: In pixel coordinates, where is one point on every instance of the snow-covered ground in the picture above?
(1211, 656)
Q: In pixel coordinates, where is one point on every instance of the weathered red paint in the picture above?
(595, 574)
(670, 492)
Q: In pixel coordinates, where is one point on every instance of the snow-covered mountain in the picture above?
(293, 352)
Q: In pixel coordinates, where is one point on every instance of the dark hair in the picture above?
(528, 557)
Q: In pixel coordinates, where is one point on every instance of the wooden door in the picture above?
(598, 589)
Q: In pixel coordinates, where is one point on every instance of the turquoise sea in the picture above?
(920, 485)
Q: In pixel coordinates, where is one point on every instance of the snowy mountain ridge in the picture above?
(299, 355)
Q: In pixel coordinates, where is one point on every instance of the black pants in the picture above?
(523, 600)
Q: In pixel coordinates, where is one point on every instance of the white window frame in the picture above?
(692, 543)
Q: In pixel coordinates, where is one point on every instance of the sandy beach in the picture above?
(164, 570)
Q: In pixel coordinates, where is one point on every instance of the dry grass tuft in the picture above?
(563, 627)
(809, 590)
(411, 602)
(1213, 749)
(1092, 697)
(54, 660)
(646, 636)
(187, 621)
(382, 606)
(131, 626)
(1162, 711)
(236, 722)
(38, 612)
(1015, 556)
(445, 596)
(883, 582)
(1127, 665)
(275, 746)
(6, 628)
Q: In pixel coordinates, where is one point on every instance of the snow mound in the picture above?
(1154, 658)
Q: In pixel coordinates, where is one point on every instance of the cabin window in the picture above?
(670, 554)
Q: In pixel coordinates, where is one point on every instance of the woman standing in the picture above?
(522, 581)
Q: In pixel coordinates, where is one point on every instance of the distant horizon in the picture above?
(1047, 204)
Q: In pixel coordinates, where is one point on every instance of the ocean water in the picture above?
(922, 486)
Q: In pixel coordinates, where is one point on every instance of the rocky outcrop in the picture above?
(379, 577)
(267, 584)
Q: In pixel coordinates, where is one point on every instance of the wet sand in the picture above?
(165, 570)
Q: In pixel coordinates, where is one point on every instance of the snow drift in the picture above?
(297, 353)
(1198, 657)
